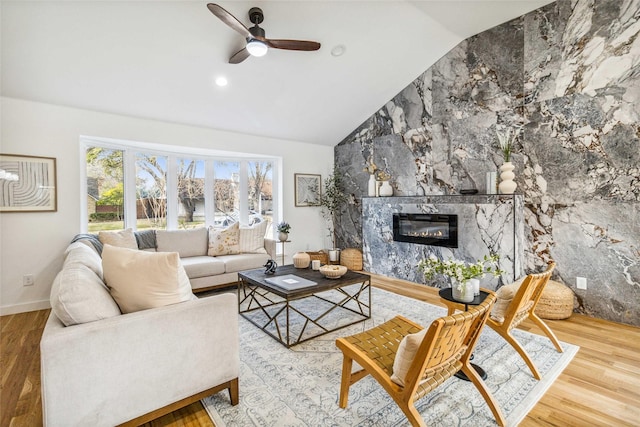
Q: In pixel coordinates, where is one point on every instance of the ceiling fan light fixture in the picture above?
(257, 47)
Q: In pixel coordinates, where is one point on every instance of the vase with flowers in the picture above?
(506, 140)
(371, 168)
(283, 231)
(464, 276)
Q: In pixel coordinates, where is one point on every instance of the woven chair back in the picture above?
(527, 297)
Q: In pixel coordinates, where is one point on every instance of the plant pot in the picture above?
(386, 189)
(462, 293)
(283, 237)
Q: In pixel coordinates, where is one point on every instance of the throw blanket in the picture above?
(92, 238)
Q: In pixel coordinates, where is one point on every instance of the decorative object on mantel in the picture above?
(506, 139)
(270, 266)
(371, 168)
(331, 202)
(333, 271)
(283, 231)
(464, 276)
(27, 184)
(385, 189)
(301, 260)
(491, 184)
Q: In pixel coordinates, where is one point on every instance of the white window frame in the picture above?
(130, 148)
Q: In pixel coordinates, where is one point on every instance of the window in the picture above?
(137, 186)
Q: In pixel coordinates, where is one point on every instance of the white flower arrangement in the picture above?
(506, 140)
(460, 271)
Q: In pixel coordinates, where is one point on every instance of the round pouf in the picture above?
(556, 302)
(351, 258)
(301, 260)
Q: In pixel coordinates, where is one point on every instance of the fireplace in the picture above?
(426, 229)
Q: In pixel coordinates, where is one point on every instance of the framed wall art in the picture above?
(27, 184)
(307, 189)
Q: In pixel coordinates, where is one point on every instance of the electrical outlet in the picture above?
(581, 282)
(27, 280)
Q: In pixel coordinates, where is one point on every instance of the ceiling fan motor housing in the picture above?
(255, 15)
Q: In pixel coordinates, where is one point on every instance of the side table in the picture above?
(447, 298)
(283, 242)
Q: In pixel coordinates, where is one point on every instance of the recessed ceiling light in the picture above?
(338, 50)
(221, 81)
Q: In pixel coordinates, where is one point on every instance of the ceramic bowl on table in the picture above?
(333, 271)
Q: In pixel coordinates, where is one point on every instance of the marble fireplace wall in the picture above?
(569, 73)
(486, 225)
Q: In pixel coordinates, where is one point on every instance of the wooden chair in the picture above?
(522, 307)
(445, 348)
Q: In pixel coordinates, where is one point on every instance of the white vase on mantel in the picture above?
(386, 190)
(507, 184)
(372, 186)
(462, 292)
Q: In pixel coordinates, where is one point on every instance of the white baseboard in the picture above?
(23, 308)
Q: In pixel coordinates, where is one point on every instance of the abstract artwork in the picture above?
(307, 189)
(27, 183)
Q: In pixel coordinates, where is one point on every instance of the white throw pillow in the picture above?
(225, 241)
(78, 253)
(139, 280)
(121, 238)
(404, 356)
(252, 239)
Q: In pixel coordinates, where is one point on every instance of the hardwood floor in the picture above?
(600, 387)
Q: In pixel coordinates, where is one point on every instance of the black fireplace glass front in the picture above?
(426, 229)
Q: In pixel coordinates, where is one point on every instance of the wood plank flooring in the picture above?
(600, 387)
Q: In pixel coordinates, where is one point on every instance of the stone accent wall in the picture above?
(570, 74)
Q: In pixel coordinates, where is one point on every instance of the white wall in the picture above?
(33, 243)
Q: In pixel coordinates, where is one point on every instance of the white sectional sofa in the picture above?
(100, 367)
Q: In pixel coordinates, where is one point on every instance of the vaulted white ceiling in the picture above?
(159, 59)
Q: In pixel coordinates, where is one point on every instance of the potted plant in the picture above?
(331, 201)
(506, 141)
(464, 276)
(283, 231)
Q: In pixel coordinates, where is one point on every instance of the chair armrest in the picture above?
(110, 371)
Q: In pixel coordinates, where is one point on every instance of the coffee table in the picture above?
(295, 316)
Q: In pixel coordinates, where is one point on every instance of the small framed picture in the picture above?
(27, 184)
(307, 189)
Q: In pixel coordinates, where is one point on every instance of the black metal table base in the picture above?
(478, 369)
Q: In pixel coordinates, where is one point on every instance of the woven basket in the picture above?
(352, 259)
(556, 302)
(321, 256)
(333, 271)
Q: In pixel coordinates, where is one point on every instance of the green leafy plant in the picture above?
(460, 271)
(283, 227)
(331, 201)
(506, 140)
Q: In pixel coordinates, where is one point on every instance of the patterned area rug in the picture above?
(300, 386)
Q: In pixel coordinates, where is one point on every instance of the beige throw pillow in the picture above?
(224, 241)
(122, 238)
(504, 296)
(139, 280)
(404, 356)
(252, 239)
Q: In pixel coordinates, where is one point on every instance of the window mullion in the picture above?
(243, 202)
(209, 193)
(172, 193)
(129, 185)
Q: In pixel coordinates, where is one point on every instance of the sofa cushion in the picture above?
(146, 239)
(202, 266)
(252, 239)
(139, 280)
(192, 242)
(404, 356)
(121, 238)
(234, 263)
(79, 253)
(78, 295)
(224, 241)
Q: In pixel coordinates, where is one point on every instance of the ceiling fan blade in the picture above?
(291, 44)
(229, 19)
(239, 56)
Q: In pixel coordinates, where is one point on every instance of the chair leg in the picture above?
(234, 392)
(482, 388)
(515, 344)
(347, 364)
(412, 414)
(548, 332)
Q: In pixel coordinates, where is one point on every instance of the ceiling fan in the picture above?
(257, 43)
